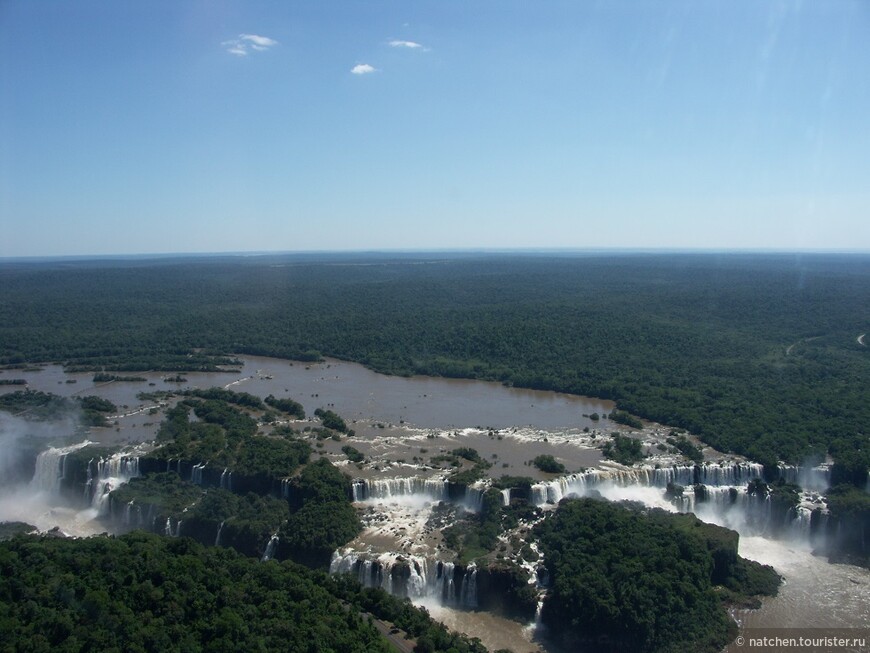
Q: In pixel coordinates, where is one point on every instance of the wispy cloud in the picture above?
(234, 47)
(259, 41)
(244, 43)
(362, 69)
(411, 45)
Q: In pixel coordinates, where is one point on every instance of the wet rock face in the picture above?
(215, 476)
(400, 574)
(506, 588)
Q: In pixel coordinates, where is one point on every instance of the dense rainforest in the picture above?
(758, 354)
(626, 579)
(142, 592)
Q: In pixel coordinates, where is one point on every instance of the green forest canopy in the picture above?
(643, 582)
(755, 353)
(142, 592)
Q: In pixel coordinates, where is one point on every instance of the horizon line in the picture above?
(436, 251)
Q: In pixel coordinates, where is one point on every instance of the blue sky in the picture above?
(153, 127)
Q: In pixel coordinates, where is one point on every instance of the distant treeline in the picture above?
(757, 354)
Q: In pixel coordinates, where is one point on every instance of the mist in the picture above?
(20, 442)
(21, 500)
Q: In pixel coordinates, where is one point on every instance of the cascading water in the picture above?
(469, 587)
(196, 473)
(410, 576)
(103, 474)
(445, 583)
(50, 468)
(816, 478)
(269, 553)
(118, 466)
(171, 531)
(394, 488)
(107, 474)
(713, 474)
(227, 480)
(217, 538)
(474, 496)
(134, 516)
(721, 493)
(506, 497)
(716, 492)
(286, 487)
(720, 502)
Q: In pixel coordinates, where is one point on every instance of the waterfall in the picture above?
(816, 478)
(118, 465)
(801, 525)
(415, 577)
(733, 507)
(196, 473)
(227, 480)
(100, 500)
(217, 538)
(50, 468)
(723, 501)
(445, 586)
(392, 488)
(474, 496)
(286, 488)
(270, 548)
(107, 474)
(90, 481)
(753, 514)
(169, 531)
(729, 473)
(133, 515)
(416, 583)
(469, 587)
(710, 474)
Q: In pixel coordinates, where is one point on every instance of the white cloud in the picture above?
(242, 45)
(362, 69)
(405, 44)
(259, 41)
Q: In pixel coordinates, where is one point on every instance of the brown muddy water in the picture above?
(353, 391)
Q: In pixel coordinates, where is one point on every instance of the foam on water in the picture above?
(815, 593)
